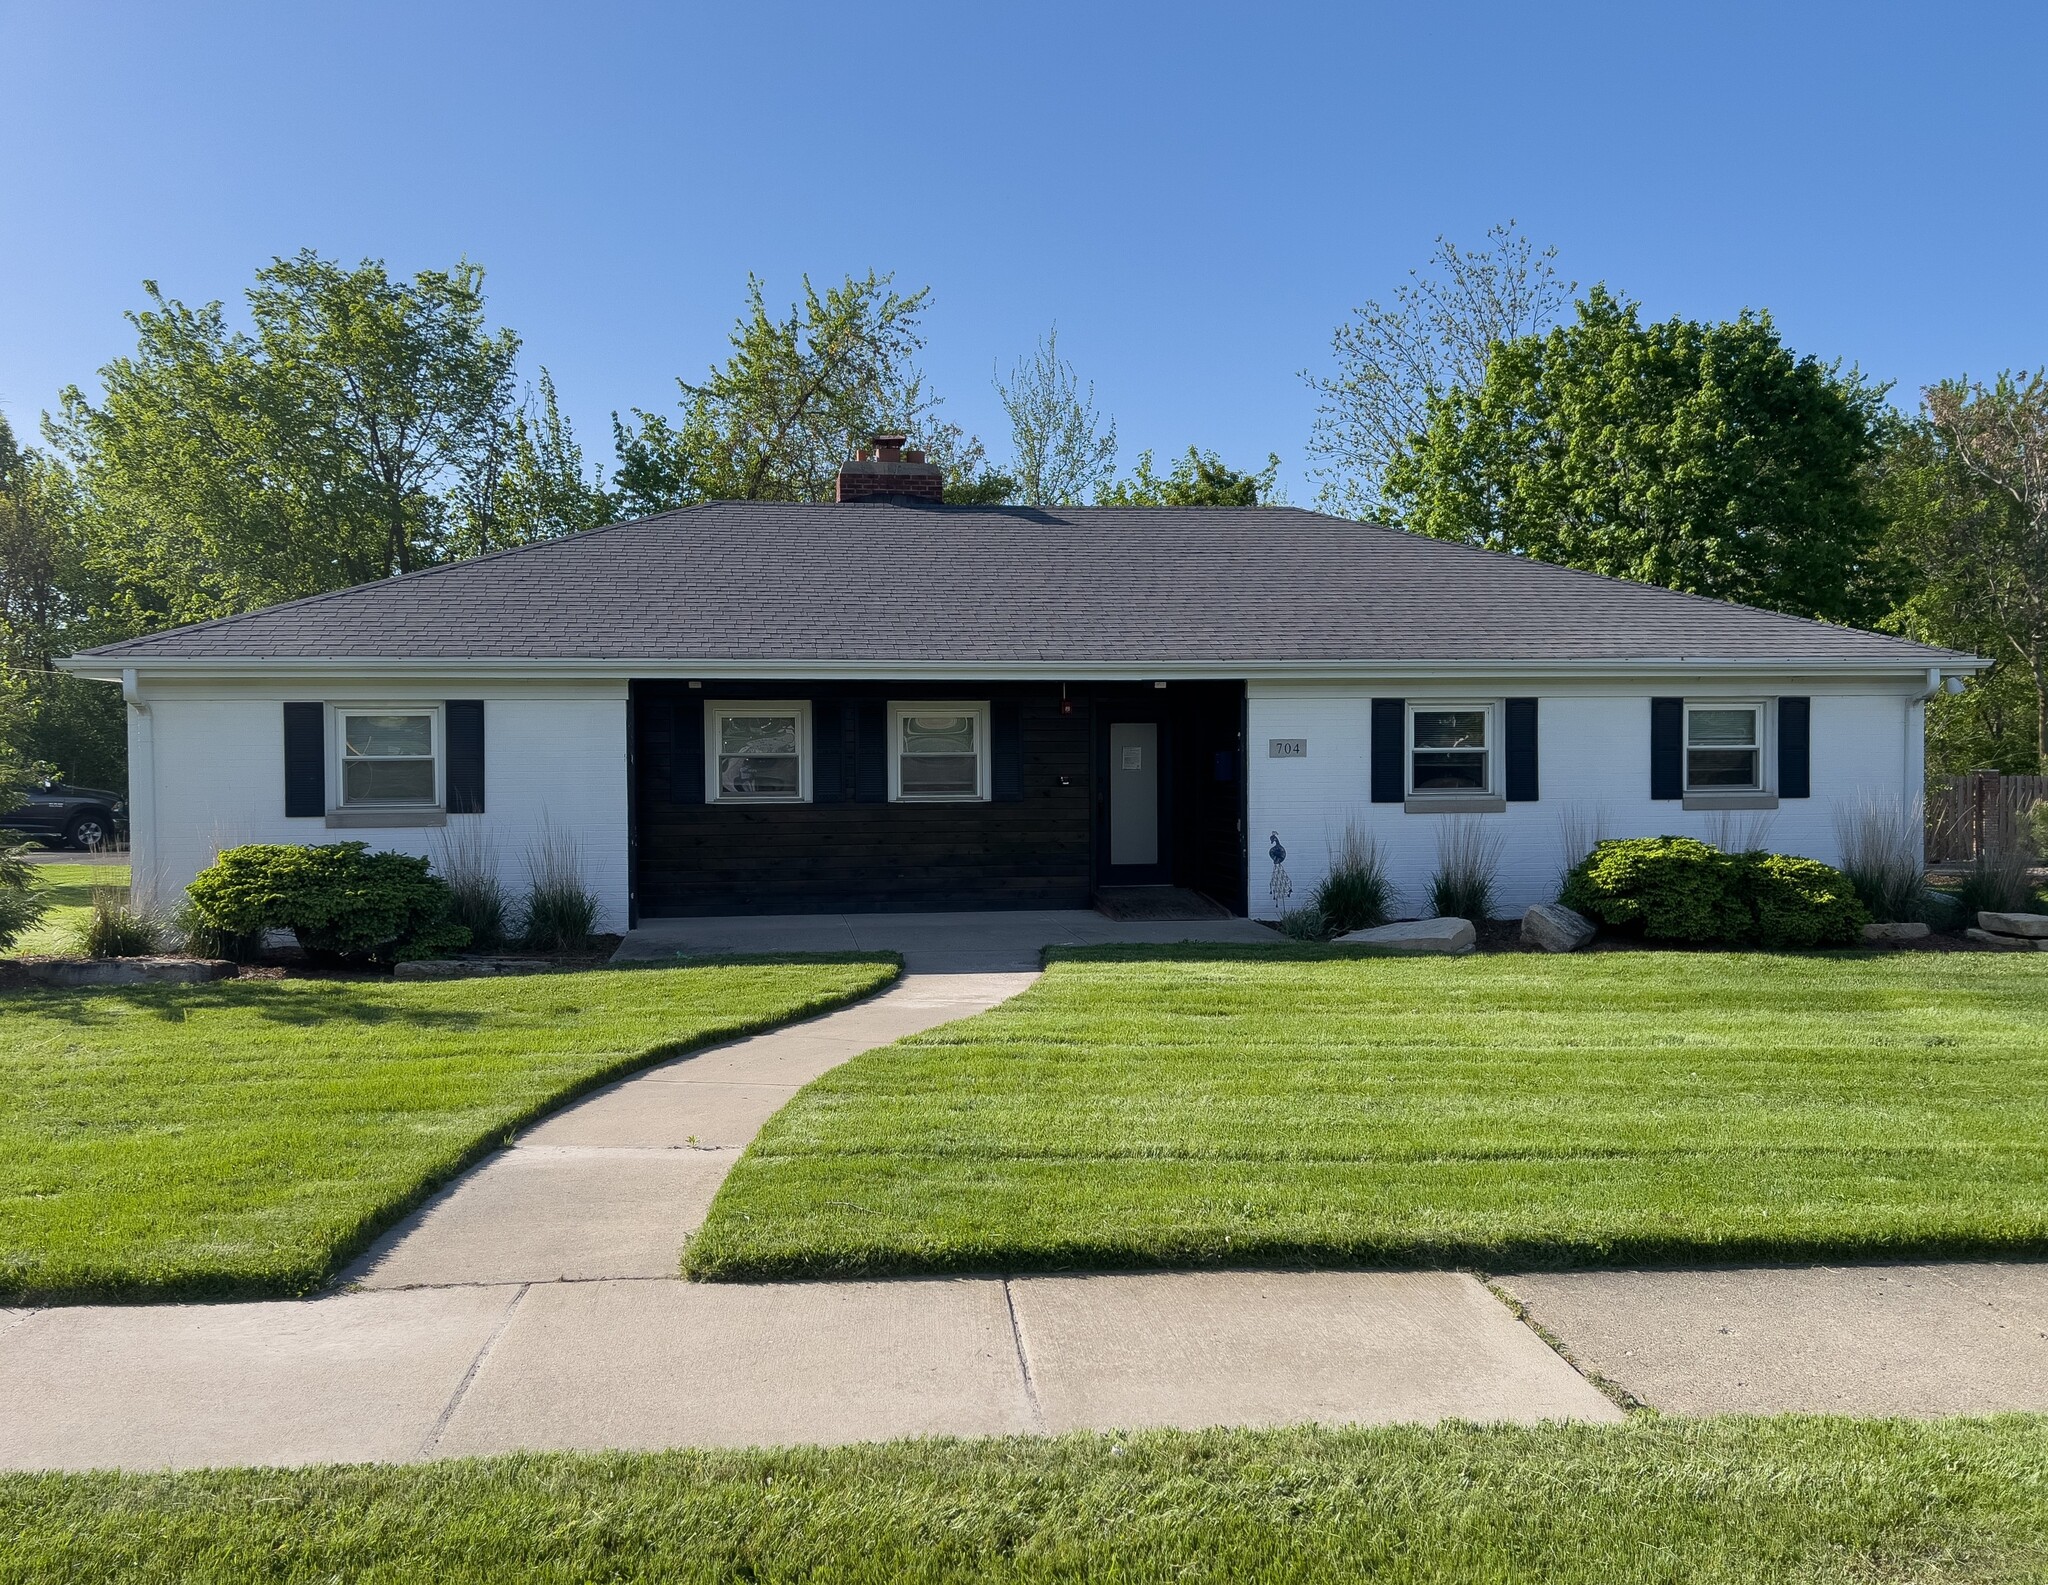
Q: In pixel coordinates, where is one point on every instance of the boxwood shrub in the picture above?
(1681, 889)
(340, 900)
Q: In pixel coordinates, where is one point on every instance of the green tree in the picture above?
(798, 394)
(51, 602)
(529, 483)
(1197, 479)
(1063, 452)
(1702, 457)
(1966, 493)
(330, 445)
(1435, 336)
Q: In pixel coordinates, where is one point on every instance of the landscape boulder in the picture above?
(73, 972)
(1447, 936)
(2033, 926)
(1896, 930)
(1556, 928)
(467, 968)
(2005, 943)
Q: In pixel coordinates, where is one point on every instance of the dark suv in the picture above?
(74, 817)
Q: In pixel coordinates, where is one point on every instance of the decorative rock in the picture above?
(1896, 930)
(2033, 926)
(2004, 943)
(72, 972)
(1447, 936)
(467, 968)
(1556, 928)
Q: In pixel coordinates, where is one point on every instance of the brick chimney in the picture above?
(887, 469)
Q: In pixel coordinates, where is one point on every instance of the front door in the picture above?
(1134, 829)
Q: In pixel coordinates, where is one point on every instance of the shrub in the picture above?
(339, 899)
(1355, 893)
(204, 939)
(468, 862)
(560, 912)
(1679, 889)
(22, 903)
(1467, 866)
(1881, 845)
(114, 929)
(2001, 880)
(2037, 827)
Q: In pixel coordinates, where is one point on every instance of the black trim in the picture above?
(686, 751)
(828, 753)
(463, 730)
(871, 751)
(1667, 748)
(1389, 721)
(1520, 735)
(1006, 751)
(1795, 747)
(305, 761)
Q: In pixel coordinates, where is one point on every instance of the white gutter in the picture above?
(1073, 669)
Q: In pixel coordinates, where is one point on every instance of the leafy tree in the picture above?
(1966, 491)
(798, 394)
(1434, 337)
(1702, 457)
(1064, 455)
(1198, 479)
(223, 469)
(50, 600)
(529, 484)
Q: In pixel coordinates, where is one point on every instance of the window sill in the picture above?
(383, 819)
(1731, 800)
(1451, 805)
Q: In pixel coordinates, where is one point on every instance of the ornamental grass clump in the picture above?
(1681, 889)
(1881, 847)
(1467, 869)
(343, 902)
(1355, 893)
(118, 929)
(560, 911)
(477, 900)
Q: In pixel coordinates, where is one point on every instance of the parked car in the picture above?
(74, 817)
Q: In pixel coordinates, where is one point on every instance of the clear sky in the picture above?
(1195, 193)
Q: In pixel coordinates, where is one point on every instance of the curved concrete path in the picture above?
(535, 1304)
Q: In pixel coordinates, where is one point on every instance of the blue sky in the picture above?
(1196, 194)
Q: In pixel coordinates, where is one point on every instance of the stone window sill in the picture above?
(383, 819)
(1455, 806)
(1731, 800)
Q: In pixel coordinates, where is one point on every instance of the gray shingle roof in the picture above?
(884, 582)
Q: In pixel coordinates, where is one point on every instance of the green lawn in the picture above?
(1699, 1502)
(1195, 1105)
(69, 890)
(246, 1137)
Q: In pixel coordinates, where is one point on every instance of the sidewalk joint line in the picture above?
(447, 1414)
(1023, 1360)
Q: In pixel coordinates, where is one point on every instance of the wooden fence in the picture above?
(1979, 813)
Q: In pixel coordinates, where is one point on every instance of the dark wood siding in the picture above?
(851, 850)
(844, 851)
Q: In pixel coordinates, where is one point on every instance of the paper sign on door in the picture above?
(1134, 756)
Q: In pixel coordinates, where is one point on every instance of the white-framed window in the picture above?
(938, 752)
(388, 756)
(757, 751)
(1724, 745)
(1451, 749)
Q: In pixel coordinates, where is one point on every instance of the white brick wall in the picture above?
(207, 772)
(1594, 749)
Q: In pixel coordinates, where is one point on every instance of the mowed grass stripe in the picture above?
(1194, 1106)
(1705, 1502)
(248, 1137)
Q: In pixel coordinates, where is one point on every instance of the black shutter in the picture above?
(871, 752)
(828, 778)
(1389, 718)
(464, 729)
(305, 761)
(686, 754)
(1667, 748)
(1006, 751)
(1795, 748)
(1521, 751)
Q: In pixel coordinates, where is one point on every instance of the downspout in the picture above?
(1915, 761)
(142, 851)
